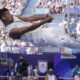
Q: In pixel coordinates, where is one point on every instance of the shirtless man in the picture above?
(21, 27)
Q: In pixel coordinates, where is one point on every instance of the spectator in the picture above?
(78, 30)
(21, 68)
(64, 24)
(75, 70)
(54, 5)
(77, 77)
(36, 75)
(50, 75)
(10, 72)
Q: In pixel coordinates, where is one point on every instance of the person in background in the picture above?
(78, 30)
(75, 70)
(21, 68)
(36, 75)
(64, 24)
(50, 75)
(24, 70)
(77, 77)
(10, 72)
(30, 72)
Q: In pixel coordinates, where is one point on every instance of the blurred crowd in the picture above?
(16, 46)
(14, 6)
(55, 6)
(73, 27)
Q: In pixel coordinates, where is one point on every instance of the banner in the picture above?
(43, 66)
